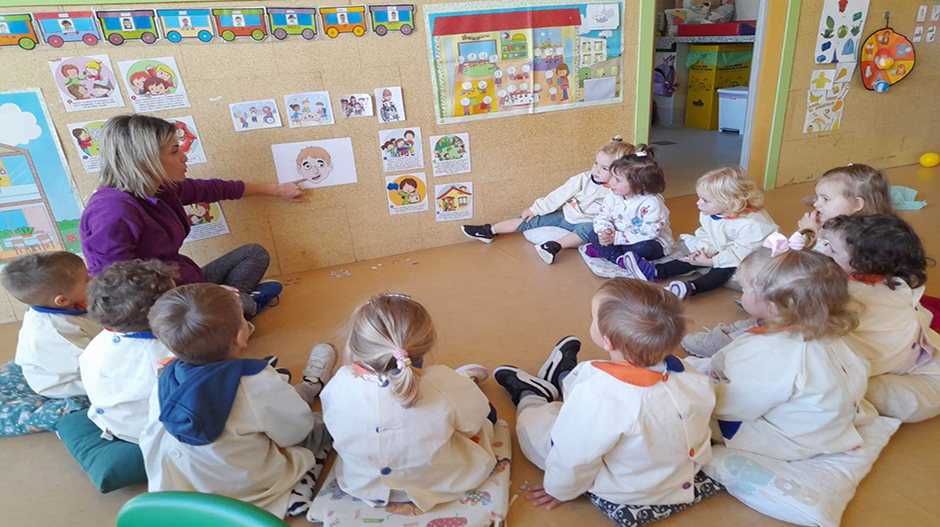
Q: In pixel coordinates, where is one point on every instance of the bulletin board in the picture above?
(515, 159)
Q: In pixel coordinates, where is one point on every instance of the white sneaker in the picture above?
(475, 372)
(318, 371)
(707, 343)
(678, 288)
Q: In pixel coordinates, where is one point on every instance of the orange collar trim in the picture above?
(628, 373)
(748, 210)
(869, 279)
(761, 330)
(359, 369)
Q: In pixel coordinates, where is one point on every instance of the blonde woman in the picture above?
(137, 212)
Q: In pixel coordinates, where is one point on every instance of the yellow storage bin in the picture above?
(712, 67)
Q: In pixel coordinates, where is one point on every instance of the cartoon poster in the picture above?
(495, 59)
(453, 201)
(154, 84)
(355, 105)
(86, 83)
(85, 137)
(407, 193)
(824, 108)
(39, 206)
(255, 115)
(190, 140)
(316, 163)
(401, 149)
(390, 104)
(450, 154)
(308, 109)
(840, 30)
(205, 221)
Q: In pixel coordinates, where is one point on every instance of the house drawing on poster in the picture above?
(454, 199)
(593, 50)
(500, 60)
(25, 214)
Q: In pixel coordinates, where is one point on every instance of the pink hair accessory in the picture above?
(401, 359)
(779, 244)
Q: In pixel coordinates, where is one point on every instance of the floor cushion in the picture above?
(23, 411)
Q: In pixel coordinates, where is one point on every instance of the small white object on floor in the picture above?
(540, 235)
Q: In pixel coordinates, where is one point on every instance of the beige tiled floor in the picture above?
(693, 149)
(493, 304)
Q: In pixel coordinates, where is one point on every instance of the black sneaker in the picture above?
(271, 360)
(484, 233)
(547, 251)
(516, 382)
(284, 371)
(563, 358)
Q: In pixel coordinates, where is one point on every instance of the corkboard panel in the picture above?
(880, 129)
(515, 159)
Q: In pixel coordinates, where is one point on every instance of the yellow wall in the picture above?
(515, 159)
(880, 129)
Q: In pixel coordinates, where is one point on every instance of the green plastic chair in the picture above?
(192, 509)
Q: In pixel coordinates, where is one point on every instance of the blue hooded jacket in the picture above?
(195, 401)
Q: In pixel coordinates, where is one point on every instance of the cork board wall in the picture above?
(515, 159)
(879, 129)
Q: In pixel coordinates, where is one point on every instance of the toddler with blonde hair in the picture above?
(733, 224)
(405, 433)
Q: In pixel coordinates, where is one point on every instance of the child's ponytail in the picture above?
(618, 148)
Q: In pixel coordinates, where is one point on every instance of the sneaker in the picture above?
(641, 268)
(707, 343)
(285, 374)
(737, 302)
(318, 371)
(591, 252)
(563, 358)
(517, 382)
(679, 288)
(547, 251)
(475, 372)
(484, 233)
(267, 294)
(271, 360)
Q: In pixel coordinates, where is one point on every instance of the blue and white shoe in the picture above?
(562, 359)
(640, 268)
(679, 288)
(517, 382)
(267, 294)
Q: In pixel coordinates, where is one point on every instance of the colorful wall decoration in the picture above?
(513, 58)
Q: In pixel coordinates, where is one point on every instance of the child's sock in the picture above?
(318, 371)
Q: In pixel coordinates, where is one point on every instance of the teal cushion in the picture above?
(110, 465)
(23, 411)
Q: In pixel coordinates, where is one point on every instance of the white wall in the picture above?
(746, 9)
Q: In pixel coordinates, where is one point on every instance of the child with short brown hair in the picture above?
(56, 328)
(632, 431)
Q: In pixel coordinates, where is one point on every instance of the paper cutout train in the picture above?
(175, 25)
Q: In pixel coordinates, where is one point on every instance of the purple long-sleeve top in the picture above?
(117, 226)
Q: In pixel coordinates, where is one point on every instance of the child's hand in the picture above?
(810, 220)
(538, 497)
(700, 258)
(527, 215)
(606, 237)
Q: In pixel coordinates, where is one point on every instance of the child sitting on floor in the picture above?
(733, 224)
(403, 433)
(633, 217)
(571, 206)
(55, 328)
(224, 425)
(633, 430)
(792, 388)
(885, 263)
(119, 367)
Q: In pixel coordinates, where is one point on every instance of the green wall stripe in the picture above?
(644, 71)
(783, 91)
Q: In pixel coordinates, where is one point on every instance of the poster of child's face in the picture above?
(66, 25)
(316, 164)
(291, 20)
(238, 21)
(185, 22)
(4, 29)
(86, 83)
(127, 24)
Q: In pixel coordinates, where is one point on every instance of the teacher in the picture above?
(137, 212)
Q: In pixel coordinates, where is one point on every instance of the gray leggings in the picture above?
(241, 268)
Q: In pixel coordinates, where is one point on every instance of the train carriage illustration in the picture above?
(68, 26)
(348, 19)
(186, 23)
(18, 30)
(118, 26)
(286, 22)
(234, 23)
(387, 18)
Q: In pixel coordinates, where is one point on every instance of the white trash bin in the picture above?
(732, 109)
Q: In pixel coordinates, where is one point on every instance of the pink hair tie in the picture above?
(779, 244)
(401, 359)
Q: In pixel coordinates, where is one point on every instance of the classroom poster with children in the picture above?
(85, 137)
(496, 59)
(205, 221)
(453, 201)
(450, 154)
(355, 105)
(407, 193)
(401, 149)
(39, 204)
(255, 115)
(391, 106)
(154, 84)
(190, 140)
(316, 164)
(86, 83)
(308, 109)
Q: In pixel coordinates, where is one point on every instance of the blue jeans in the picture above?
(649, 249)
(557, 219)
